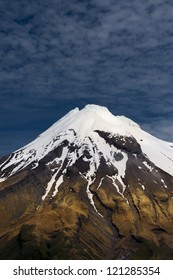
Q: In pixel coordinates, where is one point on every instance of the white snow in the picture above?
(84, 123)
(164, 183)
(143, 187)
(49, 185)
(121, 166)
(58, 183)
(113, 178)
(148, 166)
(99, 185)
(35, 164)
(2, 179)
(53, 179)
(90, 195)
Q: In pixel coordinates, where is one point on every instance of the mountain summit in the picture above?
(92, 186)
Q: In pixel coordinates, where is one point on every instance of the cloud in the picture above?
(115, 53)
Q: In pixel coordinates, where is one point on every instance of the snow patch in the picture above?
(35, 164)
(113, 178)
(121, 166)
(99, 185)
(58, 183)
(2, 179)
(148, 166)
(143, 187)
(164, 183)
(49, 185)
(53, 179)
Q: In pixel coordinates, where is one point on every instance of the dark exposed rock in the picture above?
(123, 143)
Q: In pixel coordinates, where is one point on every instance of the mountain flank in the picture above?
(92, 186)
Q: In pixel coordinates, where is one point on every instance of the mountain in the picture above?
(92, 186)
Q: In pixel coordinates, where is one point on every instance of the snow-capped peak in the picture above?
(81, 127)
(104, 113)
(90, 118)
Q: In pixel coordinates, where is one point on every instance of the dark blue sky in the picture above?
(59, 54)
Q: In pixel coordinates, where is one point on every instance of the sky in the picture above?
(56, 55)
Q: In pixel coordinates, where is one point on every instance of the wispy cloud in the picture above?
(114, 52)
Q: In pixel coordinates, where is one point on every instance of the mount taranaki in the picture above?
(92, 186)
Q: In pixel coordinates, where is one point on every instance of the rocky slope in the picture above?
(93, 186)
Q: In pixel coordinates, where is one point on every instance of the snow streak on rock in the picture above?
(53, 179)
(58, 183)
(50, 184)
(164, 183)
(99, 185)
